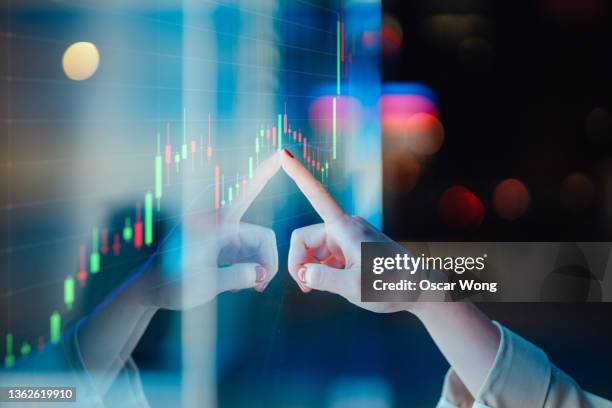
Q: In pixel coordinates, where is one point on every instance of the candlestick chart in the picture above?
(311, 113)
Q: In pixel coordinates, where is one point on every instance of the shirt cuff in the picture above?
(454, 393)
(520, 375)
(126, 388)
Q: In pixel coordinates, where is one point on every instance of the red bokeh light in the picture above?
(397, 109)
(391, 40)
(461, 209)
(391, 37)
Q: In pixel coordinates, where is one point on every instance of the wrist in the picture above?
(427, 312)
(135, 296)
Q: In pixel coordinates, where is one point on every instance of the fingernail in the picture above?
(302, 275)
(288, 153)
(260, 274)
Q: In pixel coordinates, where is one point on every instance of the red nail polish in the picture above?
(288, 153)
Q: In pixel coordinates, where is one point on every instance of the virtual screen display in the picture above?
(305, 203)
(125, 123)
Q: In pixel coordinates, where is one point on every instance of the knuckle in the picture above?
(296, 236)
(271, 236)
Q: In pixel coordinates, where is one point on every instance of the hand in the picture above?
(327, 256)
(219, 253)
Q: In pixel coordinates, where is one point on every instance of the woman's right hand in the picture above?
(327, 256)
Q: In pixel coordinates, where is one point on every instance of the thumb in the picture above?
(240, 276)
(344, 282)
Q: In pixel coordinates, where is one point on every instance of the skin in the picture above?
(327, 257)
(323, 257)
(247, 252)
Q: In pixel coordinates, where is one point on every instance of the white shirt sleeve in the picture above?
(521, 376)
(125, 392)
(61, 365)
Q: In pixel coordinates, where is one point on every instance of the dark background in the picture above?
(517, 106)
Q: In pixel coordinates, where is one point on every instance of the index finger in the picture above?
(319, 198)
(262, 174)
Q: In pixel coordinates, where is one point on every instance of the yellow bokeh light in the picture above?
(80, 61)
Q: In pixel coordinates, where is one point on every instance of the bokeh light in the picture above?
(80, 61)
(410, 129)
(409, 88)
(348, 114)
(392, 36)
(421, 134)
(461, 209)
(511, 199)
(577, 192)
(424, 134)
(400, 102)
(396, 110)
(402, 171)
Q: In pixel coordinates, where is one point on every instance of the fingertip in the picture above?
(310, 270)
(263, 276)
(284, 159)
(295, 274)
(301, 274)
(288, 159)
(260, 274)
(305, 278)
(277, 157)
(314, 191)
(238, 276)
(304, 289)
